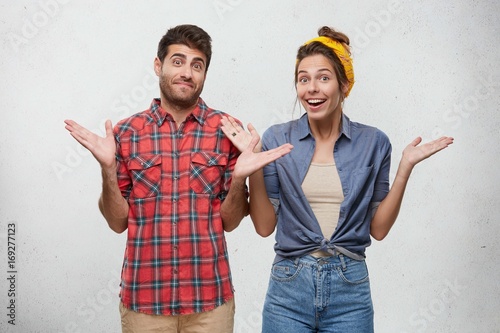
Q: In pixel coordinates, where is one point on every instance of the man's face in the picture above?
(182, 75)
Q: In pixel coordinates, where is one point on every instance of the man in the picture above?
(168, 178)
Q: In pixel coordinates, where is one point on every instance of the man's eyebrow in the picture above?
(183, 56)
(199, 59)
(180, 55)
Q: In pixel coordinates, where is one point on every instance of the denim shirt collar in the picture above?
(305, 130)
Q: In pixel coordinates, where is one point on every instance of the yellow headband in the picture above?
(343, 55)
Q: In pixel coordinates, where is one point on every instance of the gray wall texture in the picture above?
(422, 68)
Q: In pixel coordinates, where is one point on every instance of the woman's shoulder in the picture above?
(285, 125)
(282, 128)
(370, 135)
(364, 129)
(278, 134)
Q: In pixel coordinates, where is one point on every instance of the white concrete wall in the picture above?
(422, 68)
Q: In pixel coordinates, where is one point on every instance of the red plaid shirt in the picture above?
(174, 179)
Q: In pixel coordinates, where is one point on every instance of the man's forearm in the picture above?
(112, 204)
(235, 206)
(260, 207)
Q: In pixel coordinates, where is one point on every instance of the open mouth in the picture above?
(315, 102)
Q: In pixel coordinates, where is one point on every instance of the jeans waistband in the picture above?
(331, 261)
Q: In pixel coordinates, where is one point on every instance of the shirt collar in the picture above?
(305, 130)
(160, 115)
(345, 126)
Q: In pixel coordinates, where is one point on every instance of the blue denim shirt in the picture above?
(362, 155)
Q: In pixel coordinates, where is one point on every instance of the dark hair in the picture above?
(319, 48)
(189, 35)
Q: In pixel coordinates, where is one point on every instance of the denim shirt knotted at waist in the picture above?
(362, 155)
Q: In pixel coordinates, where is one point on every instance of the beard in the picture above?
(178, 99)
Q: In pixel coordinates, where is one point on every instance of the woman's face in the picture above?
(317, 87)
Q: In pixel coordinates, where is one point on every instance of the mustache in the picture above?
(188, 80)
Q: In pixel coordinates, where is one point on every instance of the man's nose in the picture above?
(187, 72)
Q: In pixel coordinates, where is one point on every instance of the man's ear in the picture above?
(157, 65)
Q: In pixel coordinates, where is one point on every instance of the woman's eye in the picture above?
(325, 78)
(303, 80)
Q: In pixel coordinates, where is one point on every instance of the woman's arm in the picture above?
(250, 164)
(388, 210)
(261, 208)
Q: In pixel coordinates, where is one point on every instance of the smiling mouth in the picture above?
(315, 102)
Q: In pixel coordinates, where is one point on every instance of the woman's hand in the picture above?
(414, 154)
(238, 136)
(252, 158)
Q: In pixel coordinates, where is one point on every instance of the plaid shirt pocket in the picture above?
(207, 172)
(145, 171)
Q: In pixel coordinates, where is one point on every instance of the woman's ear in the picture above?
(345, 88)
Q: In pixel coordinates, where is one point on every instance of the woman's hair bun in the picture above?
(335, 35)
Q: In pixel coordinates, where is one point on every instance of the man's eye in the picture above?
(325, 78)
(303, 80)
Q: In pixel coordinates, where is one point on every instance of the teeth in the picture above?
(314, 101)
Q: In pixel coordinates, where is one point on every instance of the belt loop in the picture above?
(296, 261)
(342, 262)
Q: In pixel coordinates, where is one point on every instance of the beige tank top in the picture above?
(323, 190)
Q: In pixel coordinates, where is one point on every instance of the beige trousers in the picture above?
(220, 320)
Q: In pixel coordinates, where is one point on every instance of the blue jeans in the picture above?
(311, 294)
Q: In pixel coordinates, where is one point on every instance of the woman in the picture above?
(325, 198)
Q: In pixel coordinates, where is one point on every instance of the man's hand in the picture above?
(103, 149)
